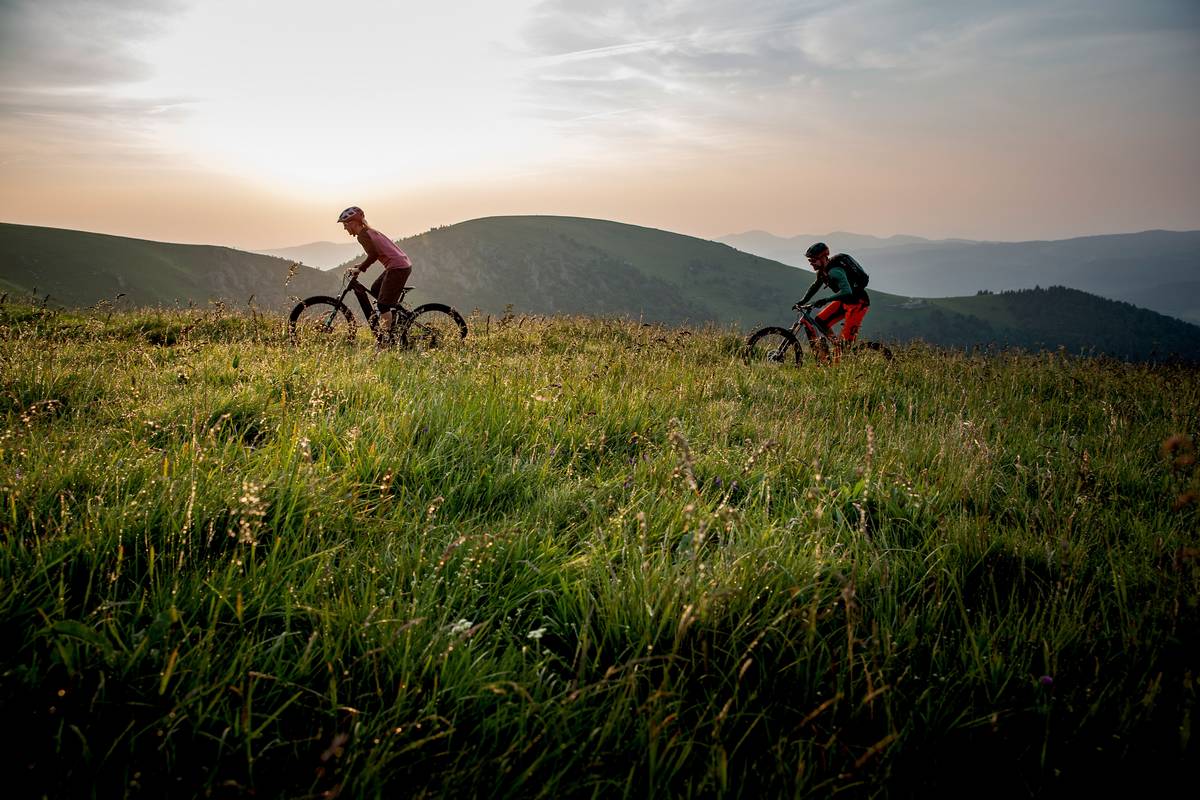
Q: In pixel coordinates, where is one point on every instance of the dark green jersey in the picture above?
(836, 279)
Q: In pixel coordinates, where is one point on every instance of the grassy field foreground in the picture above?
(585, 557)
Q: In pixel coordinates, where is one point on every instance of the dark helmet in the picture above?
(817, 250)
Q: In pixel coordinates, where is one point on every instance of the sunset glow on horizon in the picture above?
(252, 124)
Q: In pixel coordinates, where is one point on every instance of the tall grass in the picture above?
(585, 557)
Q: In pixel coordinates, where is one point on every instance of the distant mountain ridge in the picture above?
(321, 255)
(790, 249)
(571, 265)
(1157, 269)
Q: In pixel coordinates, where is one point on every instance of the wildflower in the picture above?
(536, 634)
(1046, 681)
(461, 627)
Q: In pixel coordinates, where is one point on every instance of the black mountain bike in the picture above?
(422, 328)
(775, 345)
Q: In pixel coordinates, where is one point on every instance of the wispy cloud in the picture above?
(825, 67)
(730, 41)
(69, 75)
(76, 43)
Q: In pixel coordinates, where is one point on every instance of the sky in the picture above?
(253, 123)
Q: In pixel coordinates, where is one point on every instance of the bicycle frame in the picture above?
(818, 338)
(822, 344)
(369, 308)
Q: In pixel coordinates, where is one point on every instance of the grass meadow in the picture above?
(584, 557)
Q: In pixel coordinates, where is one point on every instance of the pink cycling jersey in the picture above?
(379, 246)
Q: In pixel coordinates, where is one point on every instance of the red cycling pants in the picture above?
(852, 312)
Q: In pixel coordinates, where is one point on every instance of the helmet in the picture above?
(817, 250)
(353, 212)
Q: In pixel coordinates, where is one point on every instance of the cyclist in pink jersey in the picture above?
(397, 266)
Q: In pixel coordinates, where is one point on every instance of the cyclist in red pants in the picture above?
(848, 280)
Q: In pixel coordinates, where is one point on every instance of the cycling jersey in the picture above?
(380, 248)
(835, 278)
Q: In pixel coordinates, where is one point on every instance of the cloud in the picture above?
(76, 43)
(827, 68)
(69, 73)
(653, 74)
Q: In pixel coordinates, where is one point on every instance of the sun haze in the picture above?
(252, 124)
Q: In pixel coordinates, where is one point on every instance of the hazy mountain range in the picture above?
(566, 265)
(1159, 270)
(321, 255)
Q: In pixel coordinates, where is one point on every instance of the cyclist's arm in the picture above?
(842, 290)
(372, 254)
(816, 287)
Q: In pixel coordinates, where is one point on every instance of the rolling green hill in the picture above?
(81, 269)
(1159, 270)
(568, 265)
(1049, 318)
(549, 265)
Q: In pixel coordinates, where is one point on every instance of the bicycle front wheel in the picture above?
(434, 326)
(772, 346)
(322, 319)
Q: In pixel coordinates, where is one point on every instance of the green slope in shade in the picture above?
(548, 265)
(570, 265)
(81, 269)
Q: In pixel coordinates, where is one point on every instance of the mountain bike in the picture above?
(422, 328)
(775, 345)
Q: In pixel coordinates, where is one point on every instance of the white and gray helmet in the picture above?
(353, 212)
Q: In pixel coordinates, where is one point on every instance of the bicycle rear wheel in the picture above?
(772, 346)
(322, 319)
(868, 351)
(434, 326)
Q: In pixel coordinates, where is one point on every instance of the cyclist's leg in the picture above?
(854, 320)
(831, 314)
(390, 284)
(827, 317)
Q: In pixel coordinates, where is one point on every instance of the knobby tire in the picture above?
(328, 317)
(772, 345)
(434, 325)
